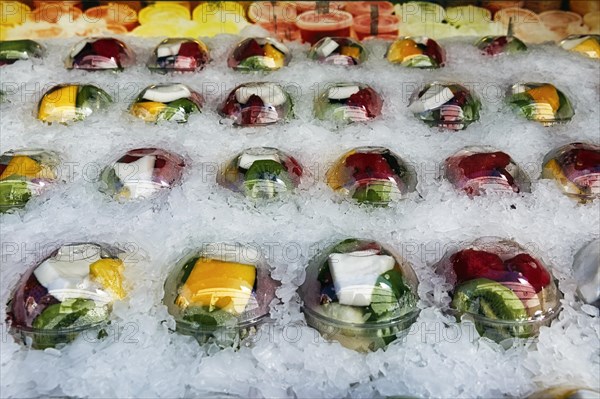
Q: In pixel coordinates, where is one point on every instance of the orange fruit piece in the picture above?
(22, 166)
(403, 49)
(109, 273)
(545, 94)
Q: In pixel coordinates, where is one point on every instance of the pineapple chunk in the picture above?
(402, 50)
(148, 111)
(545, 94)
(109, 273)
(59, 106)
(276, 55)
(589, 47)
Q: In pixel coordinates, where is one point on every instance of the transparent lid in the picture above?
(576, 169)
(219, 285)
(445, 105)
(259, 54)
(103, 53)
(256, 104)
(338, 51)
(416, 52)
(497, 280)
(179, 55)
(348, 102)
(588, 45)
(12, 51)
(586, 270)
(72, 289)
(496, 45)
(24, 174)
(71, 103)
(359, 283)
(541, 102)
(166, 102)
(481, 170)
(373, 175)
(142, 174)
(261, 172)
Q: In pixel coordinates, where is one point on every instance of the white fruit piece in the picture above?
(137, 176)
(342, 92)
(246, 160)
(327, 47)
(355, 274)
(435, 97)
(269, 93)
(570, 44)
(168, 49)
(343, 313)
(167, 93)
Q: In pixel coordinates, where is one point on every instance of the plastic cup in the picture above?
(314, 26)
(386, 25)
(592, 21)
(284, 31)
(364, 7)
(560, 22)
(304, 6)
(497, 5)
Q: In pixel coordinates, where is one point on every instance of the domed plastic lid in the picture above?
(71, 102)
(70, 291)
(105, 53)
(179, 55)
(261, 172)
(348, 102)
(12, 51)
(588, 45)
(541, 102)
(502, 286)
(416, 52)
(338, 51)
(449, 106)
(256, 104)
(481, 170)
(373, 175)
(586, 270)
(166, 102)
(141, 174)
(25, 174)
(496, 45)
(219, 285)
(259, 54)
(576, 169)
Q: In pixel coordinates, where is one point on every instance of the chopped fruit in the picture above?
(251, 49)
(545, 94)
(148, 111)
(531, 269)
(350, 51)
(21, 166)
(369, 166)
(470, 263)
(276, 55)
(490, 299)
(590, 47)
(481, 164)
(586, 159)
(368, 99)
(553, 170)
(109, 273)
(218, 285)
(59, 106)
(108, 48)
(402, 50)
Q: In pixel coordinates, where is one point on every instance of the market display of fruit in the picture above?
(142, 173)
(259, 54)
(482, 170)
(338, 51)
(257, 104)
(12, 51)
(541, 102)
(416, 52)
(166, 102)
(261, 173)
(25, 174)
(348, 102)
(588, 45)
(496, 45)
(72, 290)
(576, 169)
(506, 291)
(372, 175)
(220, 291)
(71, 103)
(586, 270)
(359, 293)
(445, 105)
(179, 55)
(103, 53)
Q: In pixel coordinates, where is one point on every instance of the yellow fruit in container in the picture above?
(545, 94)
(109, 273)
(276, 55)
(21, 166)
(590, 47)
(148, 111)
(59, 106)
(402, 50)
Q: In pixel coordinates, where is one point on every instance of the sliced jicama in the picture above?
(167, 93)
(269, 93)
(433, 98)
(327, 47)
(342, 92)
(168, 50)
(246, 160)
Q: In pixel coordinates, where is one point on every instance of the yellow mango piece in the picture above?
(338, 174)
(350, 51)
(545, 94)
(552, 170)
(21, 166)
(59, 106)
(589, 47)
(403, 49)
(215, 284)
(109, 273)
(276, 55)
(148, 111)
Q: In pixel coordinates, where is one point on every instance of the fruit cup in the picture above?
(364, 26)
(357, 8)
(561, 22)
(445, 105)
(576, 169)
(259, 54)
(25, 174)
(541, 102)
(71, 103)
(166, 102)
(70, 292)
(315, 26)
(257, 104)
(143, 173)
(103, 53)
(359, 293)
(504, 290)
(261, 173)
(12, 51)
(304, 6)
(338, 51)
(588, 45)
(586, 270)
(220, 292)
(484, 170)
(372, 175)
(417, 52)
(496, 45)
(179, 55)
(349, 102)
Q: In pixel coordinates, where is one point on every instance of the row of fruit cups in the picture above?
(366, 175)
(358, 292)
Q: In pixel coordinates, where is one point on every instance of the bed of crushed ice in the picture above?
(289, 359)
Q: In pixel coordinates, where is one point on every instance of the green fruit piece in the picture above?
(92, 98)
(70, 313)
(490, 299)
(13, 194)
(420, 61)
(379, 193)
(391, 295)
(178, 110)
(202, 317)
(254, 63)
(266, 178)
(345, 313)
(565, 111)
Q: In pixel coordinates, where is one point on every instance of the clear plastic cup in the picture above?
(314, 26)
(386, 25)
(364, 7)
